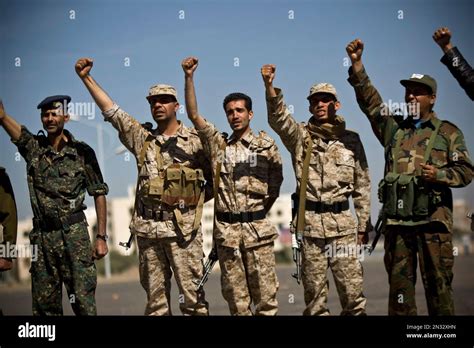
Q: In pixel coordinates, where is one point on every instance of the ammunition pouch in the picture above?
(176, 186)
(407, 196)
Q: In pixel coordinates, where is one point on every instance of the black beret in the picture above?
(63, 99)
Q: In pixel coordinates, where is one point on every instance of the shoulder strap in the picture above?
(303, 185)
(217, 178)
(429, 147)
(141, 157)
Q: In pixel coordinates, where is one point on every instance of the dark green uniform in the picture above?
(57, 182)
(8, 215)
(420, 214)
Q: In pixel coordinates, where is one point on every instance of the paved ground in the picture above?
(123, 295)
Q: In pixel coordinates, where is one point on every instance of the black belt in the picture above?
(54, 223)
(241, 217)
(156, 215)
(321, 207)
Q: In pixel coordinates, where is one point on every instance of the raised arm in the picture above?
(279, 117)
(83, 68)
(131, 132)
(189, 65)
(9, 123)
(454, 61)
(368, 98)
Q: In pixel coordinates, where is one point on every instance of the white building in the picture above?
(120, 214)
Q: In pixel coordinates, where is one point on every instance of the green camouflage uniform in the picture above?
(57, 182)
(164, 247)
(337, 170)
(429, 236)
(251, 173)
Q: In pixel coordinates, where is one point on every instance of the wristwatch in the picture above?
(103, 237)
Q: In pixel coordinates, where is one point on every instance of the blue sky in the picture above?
(154, 39)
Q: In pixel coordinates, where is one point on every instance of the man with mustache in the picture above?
(424, 158)
(60, 169)
(171, 190)
(249, 183)
(336, 169)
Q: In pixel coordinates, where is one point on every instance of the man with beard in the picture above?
(172, 170)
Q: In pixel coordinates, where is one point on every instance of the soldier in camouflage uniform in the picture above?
(424, 158)
(337, 170)
(249, 183)
(169, 235)
(60, 169)
(8, 217)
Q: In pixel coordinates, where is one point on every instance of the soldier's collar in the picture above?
(246, 139)
(429, 122)
(182, 132)
(410, 122)
(69, 148)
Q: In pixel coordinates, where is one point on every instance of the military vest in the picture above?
(408, 196)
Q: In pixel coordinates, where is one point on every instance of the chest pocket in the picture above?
(70, 180)
(259, 168)
(439, 153)
(345, 166)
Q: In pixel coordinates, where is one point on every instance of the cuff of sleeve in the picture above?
(207, 131)
(108, 114)
(274, 99)
(356, 78)
(448, 58)
(273, 102)
(98, 189)
(25, 136)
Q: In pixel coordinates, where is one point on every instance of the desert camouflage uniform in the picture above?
(337, 170)
(251, 174)
(57, 182)
(430, 236)
(164, 248)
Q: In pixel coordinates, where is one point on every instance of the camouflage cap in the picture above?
(162, 90)
(322, 88)
(426, 80)
(55, 102)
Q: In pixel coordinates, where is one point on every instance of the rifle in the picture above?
(296, 244)
(208, 266)
(379, 227)
(296, 238)
(127, 244)
(149, 127)
(298, 210)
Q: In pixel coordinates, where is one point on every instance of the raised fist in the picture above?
(83, 67)
(442, 37)
(189, 65)
(354, 50)
(268, 73)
